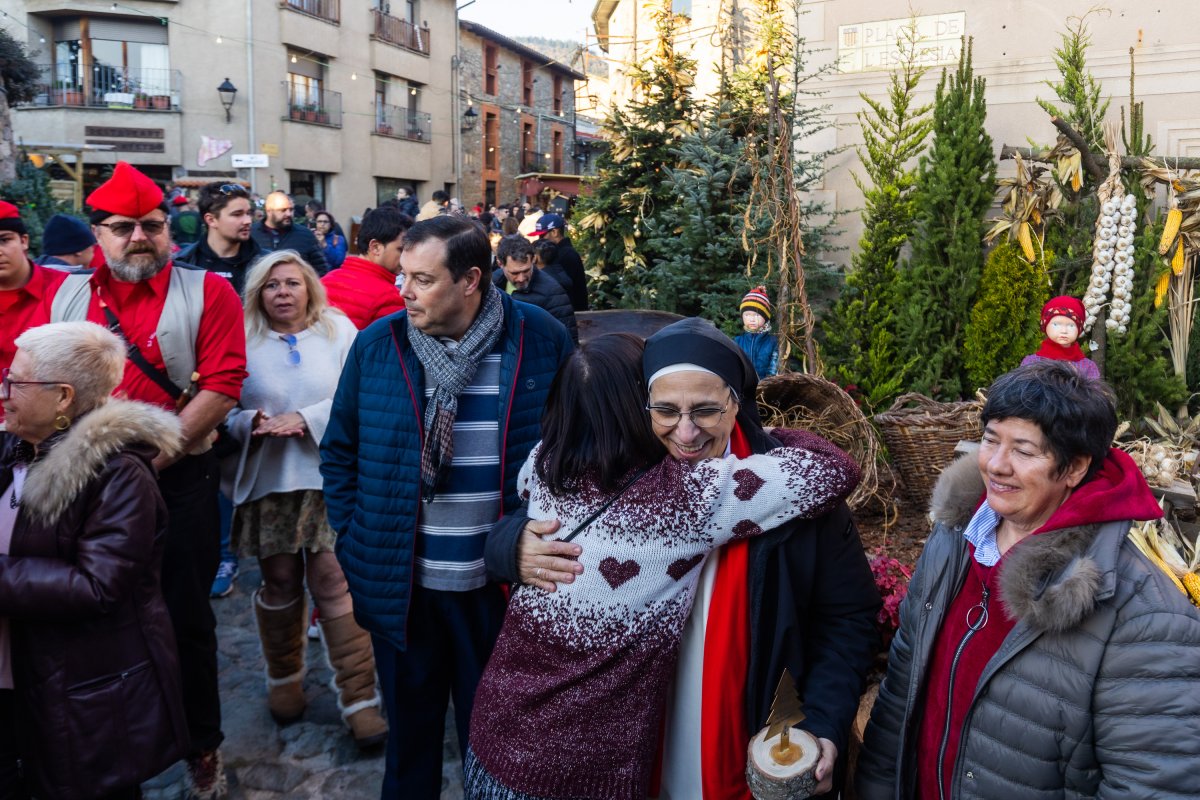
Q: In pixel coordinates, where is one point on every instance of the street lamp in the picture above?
(228, 93)
(469, 118)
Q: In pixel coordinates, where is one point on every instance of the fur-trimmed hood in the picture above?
(1051, 580)
(79, 456)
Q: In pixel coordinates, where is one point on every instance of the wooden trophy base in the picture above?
(775, 774)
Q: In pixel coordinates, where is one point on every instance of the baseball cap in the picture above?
(549, 222)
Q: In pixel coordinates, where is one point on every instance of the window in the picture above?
(527, 83)
(305, 186)
(557, 153)
(491, 139)
(558, 95)
(489, 68)
(127, 56)
(306, 80)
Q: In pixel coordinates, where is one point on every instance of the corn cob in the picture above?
(1170, 231)
(1141, 541)
(1191, 582)
(1177, 258)
(1160, 291)
(1076, 180)
(1025, 237)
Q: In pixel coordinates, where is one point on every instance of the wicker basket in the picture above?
(921, 439)
(799, 400)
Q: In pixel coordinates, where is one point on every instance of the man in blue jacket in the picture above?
(437, 408)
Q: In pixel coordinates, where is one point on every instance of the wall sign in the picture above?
(870, 46)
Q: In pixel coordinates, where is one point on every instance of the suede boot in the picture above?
(353, 663)
(281, 631)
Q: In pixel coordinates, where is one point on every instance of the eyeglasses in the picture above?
(7, 383)
(293, 356)
(704, 417)
(123, 230)
(233, 189)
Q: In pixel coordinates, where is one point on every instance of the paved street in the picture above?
(313, 758)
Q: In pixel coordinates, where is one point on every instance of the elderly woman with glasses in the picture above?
(801, 597)
(572, 700)
(296, 344)
(1039, 654)
(90, 696)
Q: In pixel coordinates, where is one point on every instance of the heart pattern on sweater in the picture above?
(619, 572)
(748, 484)
(746, 528)
(683, 566)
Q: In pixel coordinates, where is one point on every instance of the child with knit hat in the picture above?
(1062, 322)
(758, 343)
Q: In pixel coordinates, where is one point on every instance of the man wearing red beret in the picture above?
(187, 353)
(25, 288)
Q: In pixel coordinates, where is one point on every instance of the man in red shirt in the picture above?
(365, 286)
(25, 288)
(187, 352)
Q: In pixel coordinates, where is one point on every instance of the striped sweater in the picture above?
(571, 701)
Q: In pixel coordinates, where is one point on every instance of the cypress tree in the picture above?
(860, 332)
(954, 190)
(1003, 328)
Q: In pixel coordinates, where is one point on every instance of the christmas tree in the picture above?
(860, 332)
(954, 190)
(1004, 322)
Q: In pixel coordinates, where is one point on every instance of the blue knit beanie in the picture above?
(65, 234)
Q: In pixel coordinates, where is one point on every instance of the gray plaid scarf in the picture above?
(452, 371)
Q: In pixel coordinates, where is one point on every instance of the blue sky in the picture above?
(554, 19)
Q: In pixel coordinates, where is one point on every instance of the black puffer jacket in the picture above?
(296, 238)
(544, 292)
(199, 254)
(94, 661)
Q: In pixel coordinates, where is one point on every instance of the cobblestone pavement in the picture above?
(310, 759)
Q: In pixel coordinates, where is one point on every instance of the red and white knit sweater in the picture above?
(571, 701)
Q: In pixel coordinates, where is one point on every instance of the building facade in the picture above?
(1014, 44)
(521, 138)
(335, 101)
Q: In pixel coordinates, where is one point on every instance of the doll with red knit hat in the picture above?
(1062, 322)
(758, 343)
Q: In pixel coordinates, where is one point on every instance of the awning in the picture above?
(534, 183)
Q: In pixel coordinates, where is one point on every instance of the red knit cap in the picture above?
(10, 218)
(1063, 306)
(128, 192)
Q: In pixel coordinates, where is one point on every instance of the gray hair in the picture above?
(89, 357)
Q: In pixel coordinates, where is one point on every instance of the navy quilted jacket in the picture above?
(370, 456)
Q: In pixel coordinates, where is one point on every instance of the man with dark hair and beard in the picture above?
(186, 353)
(279, 232)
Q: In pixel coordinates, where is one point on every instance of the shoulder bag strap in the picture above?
(135, 355)
(595, 514)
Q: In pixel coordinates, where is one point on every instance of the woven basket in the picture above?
(921, 439)
(800, 400)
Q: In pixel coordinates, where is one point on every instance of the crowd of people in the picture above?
(593, 548)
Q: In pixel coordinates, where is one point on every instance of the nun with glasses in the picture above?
(296, 344)
(801, 597)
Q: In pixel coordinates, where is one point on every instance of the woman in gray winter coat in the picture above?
(1040, 654)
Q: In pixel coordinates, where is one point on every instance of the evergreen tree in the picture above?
(860, 332)
(954, 190)
(1078, 90)
(632, 188)
(19, 79)
(30, 192)
(1004, 322)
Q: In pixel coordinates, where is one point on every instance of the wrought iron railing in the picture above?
(402, 122)
(400, 32)
(328, 10)
(315, 105)
(106, 86)
(534, 162)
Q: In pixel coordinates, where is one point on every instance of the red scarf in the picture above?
(1056, 352)
(723, 733)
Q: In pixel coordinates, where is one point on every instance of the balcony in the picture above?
(400, 32)
(105, 86)
(328, 10)
(314, 106)
(403, 123)
(534, 162)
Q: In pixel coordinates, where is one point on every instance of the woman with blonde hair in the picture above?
(296, 344)
(90, 696)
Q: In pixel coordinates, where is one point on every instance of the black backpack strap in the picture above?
(152, 372)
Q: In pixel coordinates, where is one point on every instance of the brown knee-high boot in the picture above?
(281, 631)
(353, 663)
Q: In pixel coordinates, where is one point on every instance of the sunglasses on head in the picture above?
(124, 229)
